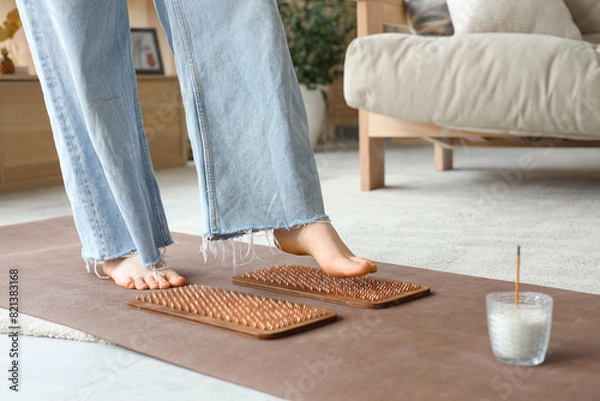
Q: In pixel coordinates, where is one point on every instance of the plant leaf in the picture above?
(11, 25)
(317, 32)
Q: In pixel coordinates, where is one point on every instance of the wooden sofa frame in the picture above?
(372, 18)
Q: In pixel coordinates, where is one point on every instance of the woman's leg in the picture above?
(245, 115)
(83, 59)
(248, 128)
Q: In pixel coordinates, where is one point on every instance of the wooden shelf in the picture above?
(28, 157)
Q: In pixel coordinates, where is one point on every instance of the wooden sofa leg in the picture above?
(372, 156)
(372, 161)
(442, 157)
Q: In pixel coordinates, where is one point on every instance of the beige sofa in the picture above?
(472, 88)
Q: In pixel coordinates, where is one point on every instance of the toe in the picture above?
(175, 279)
(178, 281)
(129, 273)
(140, 284)
(358, 267)
(152, 283)
(162, 282)
(367, 267)
(125, 282)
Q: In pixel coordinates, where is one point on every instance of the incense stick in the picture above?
(518, 273)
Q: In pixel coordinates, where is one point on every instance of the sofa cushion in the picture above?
(429, 17)
(549, 17)
(506, 83)
(586, 14)
(592, 37)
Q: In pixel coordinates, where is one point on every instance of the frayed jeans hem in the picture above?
(281, 225)
(211, 242)
(160, 263)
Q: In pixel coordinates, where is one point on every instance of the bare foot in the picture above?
(322, 242)
(129, 273)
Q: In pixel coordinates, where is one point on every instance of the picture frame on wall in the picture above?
(145, 51)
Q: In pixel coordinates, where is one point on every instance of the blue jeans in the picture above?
(244, 114)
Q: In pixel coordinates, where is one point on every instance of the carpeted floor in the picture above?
(471, 219)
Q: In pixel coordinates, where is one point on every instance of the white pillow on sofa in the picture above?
(546, 17)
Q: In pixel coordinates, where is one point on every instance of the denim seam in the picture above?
(151, 184)
(63, 118)
(208, 171)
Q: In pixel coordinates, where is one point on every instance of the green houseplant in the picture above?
(317, 32)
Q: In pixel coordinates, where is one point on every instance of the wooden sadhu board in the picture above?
(247, 314)
(364, 291)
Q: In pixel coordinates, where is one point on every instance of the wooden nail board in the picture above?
(364, 291)
(243, 313)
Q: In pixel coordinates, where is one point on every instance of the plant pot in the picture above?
(315, 105)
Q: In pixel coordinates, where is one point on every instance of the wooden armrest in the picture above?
(372, 15)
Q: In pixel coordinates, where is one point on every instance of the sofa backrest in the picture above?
(586, 14)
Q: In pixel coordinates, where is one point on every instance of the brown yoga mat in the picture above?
(432, 348)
